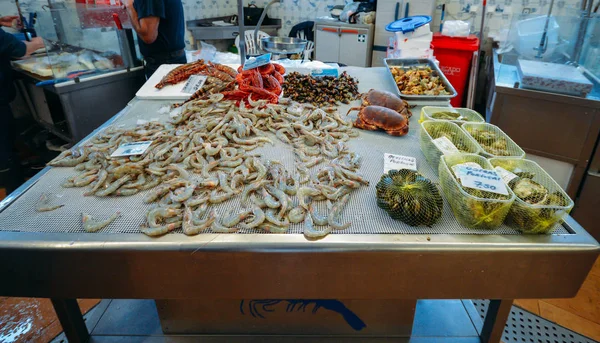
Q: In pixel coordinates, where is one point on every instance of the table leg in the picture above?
(495, 320)
(71, 319)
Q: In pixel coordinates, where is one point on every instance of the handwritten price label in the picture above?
(194, 83)
(397, 162)
(445, 145)
(482, 179)
(505, 174)
(131, 149)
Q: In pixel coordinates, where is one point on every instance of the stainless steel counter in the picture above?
(432, 263)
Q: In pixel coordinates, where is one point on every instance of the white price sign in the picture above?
(397, 162)
(505, 174)
(482, 179)
(194, 83)
(445, 145)
(130, 149)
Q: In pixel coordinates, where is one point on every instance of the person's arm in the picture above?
(146, 27)
(10, 46)
(7, 21)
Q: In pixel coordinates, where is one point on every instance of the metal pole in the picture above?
(71, 319)
(242, 31)
(582, 32)
(495, 320)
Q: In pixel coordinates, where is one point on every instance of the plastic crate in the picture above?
(538, 218)
(494, 136)
(470, 116)
(431, 130)
(472, 208)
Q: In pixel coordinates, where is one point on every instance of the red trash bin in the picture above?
(455, 55)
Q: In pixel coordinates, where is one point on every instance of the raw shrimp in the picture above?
(186, 194)
(273, 228)
(296, 215)
(43, 204)
(191, 227)
(304, 192)
(70, 158)
(101, 178)
(335, 212)
(317, 219)
(217, 227)
(113, 186)
(269, 200)
(156, 215)
(282, 198)
(234, 219)
(309, 229)
(216, 198)
(161, 230)
(92, 225)
(271, 217)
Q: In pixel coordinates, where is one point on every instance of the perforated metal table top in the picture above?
(361, 211)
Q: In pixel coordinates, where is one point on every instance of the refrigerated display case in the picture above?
(88, 59)
(540, 83)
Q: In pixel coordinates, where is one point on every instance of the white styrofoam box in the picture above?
(424, 30)
(413, 45)
(553, 77)
(416, 53)
(419, 41)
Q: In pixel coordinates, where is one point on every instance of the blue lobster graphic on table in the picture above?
(258, 307)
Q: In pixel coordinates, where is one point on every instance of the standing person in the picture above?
(160, 27)
(10, 47)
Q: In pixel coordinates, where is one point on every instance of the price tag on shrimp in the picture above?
(194, 83)
(131, 149)
(482, 179)
(397, 162)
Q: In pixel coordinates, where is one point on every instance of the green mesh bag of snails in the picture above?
(473, 208)
(410, 197)
(541, 203)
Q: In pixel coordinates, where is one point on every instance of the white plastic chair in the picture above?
(251, 45)
(308, 50)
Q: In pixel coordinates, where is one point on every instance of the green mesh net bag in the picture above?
(473, 208)
(540, 204)
(439, 138)
(455, 115)
(410, 197)
(493, 141)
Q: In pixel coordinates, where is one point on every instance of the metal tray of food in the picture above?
(410, 63)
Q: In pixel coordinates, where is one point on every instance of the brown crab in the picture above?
(386, 99)
(379, 117)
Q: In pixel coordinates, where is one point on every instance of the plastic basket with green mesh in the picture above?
(434, 141)
(540, 203)
(472, 208)
(493, 141)
(455, 115)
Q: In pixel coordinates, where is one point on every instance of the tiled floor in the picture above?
(31, 319)
(580, 314)
(443, 321)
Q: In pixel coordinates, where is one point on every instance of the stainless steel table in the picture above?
(378, 259)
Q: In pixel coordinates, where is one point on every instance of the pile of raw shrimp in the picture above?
(204, 156)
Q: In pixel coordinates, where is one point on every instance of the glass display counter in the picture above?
(88, 60)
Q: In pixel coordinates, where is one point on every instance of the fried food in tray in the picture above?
(418, 81)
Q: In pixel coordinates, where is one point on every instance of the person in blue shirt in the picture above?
(10, 48)
(160, 27)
